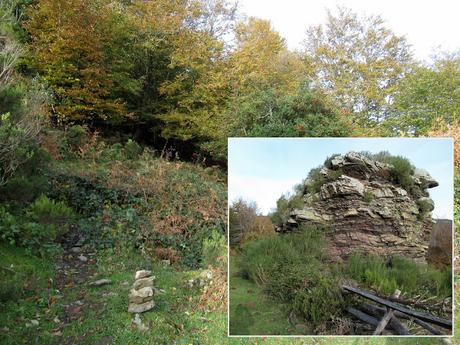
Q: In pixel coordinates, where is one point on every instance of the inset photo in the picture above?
(340, 236)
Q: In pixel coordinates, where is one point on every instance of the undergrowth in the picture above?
(292, 268)
(400, 273)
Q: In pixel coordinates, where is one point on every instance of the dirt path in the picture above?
(74, 271)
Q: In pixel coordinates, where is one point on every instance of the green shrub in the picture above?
(401, 171)
(321, 301)
(215, 251)
(9, 226)
(132, 150)
(334, 175)
(46, 211)
(291, 268)
(424, 207)
(75, 137)
(316, 180)
(368, 196)
(37, 227)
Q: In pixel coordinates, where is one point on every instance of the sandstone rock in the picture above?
(423, 178)
(143, 274)
(140, 308)
(141, 296)
(387, 224)
(143, 282)
(345, 185)
(305, 214)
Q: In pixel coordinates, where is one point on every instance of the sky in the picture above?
(427, 25)
(262, 169)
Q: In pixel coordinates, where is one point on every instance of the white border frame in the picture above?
(451, 336)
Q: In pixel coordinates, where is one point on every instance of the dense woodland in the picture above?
(192, 73)
(114, 118)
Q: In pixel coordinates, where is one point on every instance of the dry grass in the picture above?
(214, 296)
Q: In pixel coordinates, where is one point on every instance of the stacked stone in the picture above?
(141, 294)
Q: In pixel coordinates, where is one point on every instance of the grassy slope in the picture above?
(251, 311)
(178, 318)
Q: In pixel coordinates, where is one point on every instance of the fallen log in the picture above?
(379, 311)
(416, 314)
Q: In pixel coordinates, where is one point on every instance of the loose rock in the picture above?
(101, 282)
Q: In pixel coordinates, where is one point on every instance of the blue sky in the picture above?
(262, 169)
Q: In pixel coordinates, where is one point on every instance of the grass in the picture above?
(252, 311)
(405, 274)
(22, 274)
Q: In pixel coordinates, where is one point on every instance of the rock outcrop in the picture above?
(363, 207)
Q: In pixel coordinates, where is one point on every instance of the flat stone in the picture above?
(143, 274)
(143, 282)
(140, 296)
(82, 258)
(101, 282)
(140, 308)
(75, 250)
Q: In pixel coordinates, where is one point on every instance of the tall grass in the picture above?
(405, 274)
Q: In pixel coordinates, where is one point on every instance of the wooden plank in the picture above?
(416, 314)
(363, 316)
(379, 311)
(374, 321)
(387, 317)
(383, 322)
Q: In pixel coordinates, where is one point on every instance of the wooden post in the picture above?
(387, 317)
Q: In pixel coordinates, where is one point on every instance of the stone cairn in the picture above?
(141, 294)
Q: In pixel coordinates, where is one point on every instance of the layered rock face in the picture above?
(363, 209)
